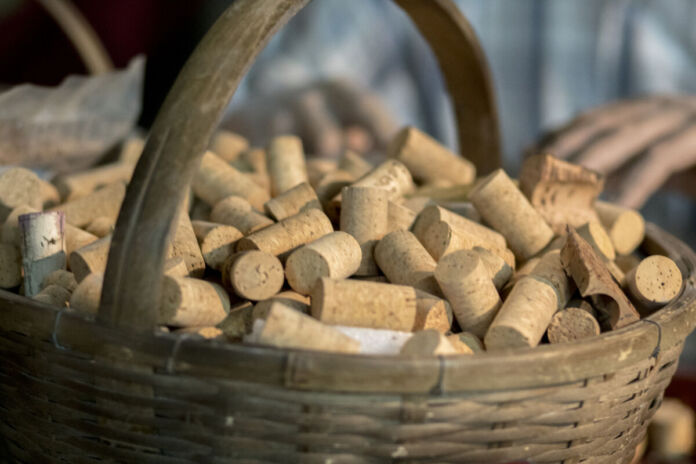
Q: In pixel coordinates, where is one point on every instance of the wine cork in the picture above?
(399, 217)
(655, 282)
(237, 212)
(392, 176)
(462, 208)
(189, 302)
(572, 324)
(292, 201)
(60, 277)
(432, 312)
(207, 333)
(626, 262)
(466, 282)
(499, 270)
(364, 216)
(353, 163)
(550, 269)
(458, 344)
(215, 180)
(131, 150)
(103, 202)
(441, 239)
(289, 298)
(317, 168)
(86, 296)
(80, 184)
(9, 233)
(428, 160)
(256, 158)
(217, 241)
(19, 186)
(185, 244)
(228, 145)
(471, 341)
(286, 163)
(597, 237)
(10, 266)
(175, 267)
(253, 275)
(336, 255)
(444, 191)
(428, 343)
(76, 238)
(43, 247)
(200, 210)
(404, 261)
(584, 305)
(53, 295)
(330, 186)
(90, 259)
(509, 212)
(417, 204)
(238, 322)
(101, 226)
(376, 341)
(364, 304)
(50, 196)
(626, 227)
(288, 234)
(671, 431)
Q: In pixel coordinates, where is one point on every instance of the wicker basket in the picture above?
(80, 391)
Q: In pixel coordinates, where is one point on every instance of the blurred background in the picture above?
(555, 64)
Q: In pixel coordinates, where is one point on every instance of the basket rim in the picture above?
(543, 366)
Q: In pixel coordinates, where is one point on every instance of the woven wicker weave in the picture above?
(79, 391)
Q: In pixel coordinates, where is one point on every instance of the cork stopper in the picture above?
(175, 267)
(206, 333)
(253, 275)
(353, 163)
(626, 227)
(572, 324)
(655, 282)
(238, 322)
(286, 163)
(62, 278)
(472, 342)
(289, 298)
(404, 261)
(671, 432)
(53, 295)
(10, 266)
(459, 345)
(85, 298)
(228, 145)
(217, 241)
(189, 302)
(364, 215)
(292, 201)
(19, 186)
(104, 202)
(80, 184)
(428, 343)
(101, 226)
(597, 237)
(432, 312)
(10, 233)
(90, 259)
(499, 270)
(317, 168)
(399, 217)
(237, 212)
(76, 238)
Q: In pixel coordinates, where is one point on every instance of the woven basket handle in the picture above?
(193, 108)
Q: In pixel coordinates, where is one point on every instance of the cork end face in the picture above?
(318, 296)
(304, 268)
(658, 279)
(495, 177)
(171, 300)
(628, 232)
(500, 337)
(602, 240)
(423, 343)
(437, 239)
(458, 265)
(256, 275)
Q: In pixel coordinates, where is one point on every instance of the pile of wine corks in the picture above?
(413, 255)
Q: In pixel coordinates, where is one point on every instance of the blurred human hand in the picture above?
(640, 145)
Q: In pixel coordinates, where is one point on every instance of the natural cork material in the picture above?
(189, 302)
(655, 282)
(238, 322)
(404, 261)
(53, 295)
(103, 202)
(299, 198)
(85, 298)
(626, 227)
(286, 163)
(509, 212)
(217, 241)
(61, 277)
(10, 233)
(428, 160)
(207, 333)
(353, 163)
(467, 338)
(80, 184)
(597, 237)
(459, 345)
(432, 313)
(43, 247)
(237, 212)
(49, 194)
(572, 324)
(101, 226)
(90, 259)
(336, 255)
(428, 343)
(289, 298)
(399, 217)
(499, 270)
(317, 168)
(19, 186)
(364, 304)
(253, 275)
(76, 238)
(467, 284)
(10, 266)
(376, 341)
(364, 215)
(185, 244)
(228, 145)
(175, 267)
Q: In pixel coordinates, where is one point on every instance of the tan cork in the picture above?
(207, 333)
(626, 227)
(9, 233)
(671, 431)
(428, 343)
(462, 208)
(459, 345)
(287, 328)
(19, 186)
(101, 226)
(329, 187)
(572, 324)
(189, 302)
(253, 275)
(353, 163)
(49, 194)
(131, 150)
(317, 168)
(597, 237)
(217, 241)
(441, 239)
(289, 298)
(428, 160)
(228, 145)
(399, 217)
(90, 259)
(61, 277)
(53, 295)
(238, 322)
(627, 262)
(103, 202)
(286, 163)
(80, 184)
(175, 267)
(364, 304)
(185, 244)
(405, 261)
(432, 312)
(509, 212)
(299, 198)
(500, 271)
(237, 212)
(85, 298)
(10, 266)
(655, 282)
(473, 342)
(215, 180)
(364, 216)
(76, 238)
(467, 285)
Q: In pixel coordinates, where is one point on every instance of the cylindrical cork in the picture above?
(90, 259)
(500, 271)
(175, 267)
(53, 295)
(228, 145)
(85, 298)
(572, 324)
(404, 261)
(329, 187)
(364, 215)
(101, 226)
(19, 186)
(584, 305)
(189, 302)
(671, 432)
(289, 298)
(428, 160)
(10, 266)
(286, 328)
(61, 277)
(655, 282)
(432, 312)
(237, 212)
(428, 343)
(473, 342)
(185, 244)
(364, 304)
(253, 275)
(49, 194)
(597, 237)
(509, 212)
(286, 163)
(392, 176)
(467, 284)
(131, 150)
(462, 208)
(399, 217)
(317, 168)
(292, 201)
(76, 238)
(626, 227)
(524, 270)
(417, 204)
(459, 345)
(354, 163)
(217, 241)
(550, 269)
(256, 158)
(43, 247)
(207, 333)
(627, 262)
(103, 202)
(288, 234)
(10, 229)
(238, 322)
(336, 255)
(73, 186)
(215, 180)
